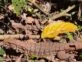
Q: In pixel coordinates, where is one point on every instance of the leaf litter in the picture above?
(21, 35)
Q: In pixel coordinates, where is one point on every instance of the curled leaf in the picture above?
(54, 29)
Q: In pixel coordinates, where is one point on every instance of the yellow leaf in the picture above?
(54, 29)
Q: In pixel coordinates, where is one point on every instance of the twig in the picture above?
(2, 37)
(36, 5)
(63, 13)
(49, 48)
(80, 10)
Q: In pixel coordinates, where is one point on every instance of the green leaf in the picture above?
(18, 5)
(1, 59)
(81, 18)
(2, 52)
(70, 36)
(80, 27)
(33, 57)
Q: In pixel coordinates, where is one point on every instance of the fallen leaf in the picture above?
(54, 29)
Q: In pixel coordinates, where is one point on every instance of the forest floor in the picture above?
(22, 35)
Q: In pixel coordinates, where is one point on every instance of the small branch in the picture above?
(2, 37)
(36, 5)
(63, 13)
(80, 10)
(39, 48)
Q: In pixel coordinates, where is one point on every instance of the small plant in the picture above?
(69, 36)
(18, 5)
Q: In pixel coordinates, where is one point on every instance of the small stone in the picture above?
(50, 57)
(62, 55)
(9, 32)
(29, 20)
